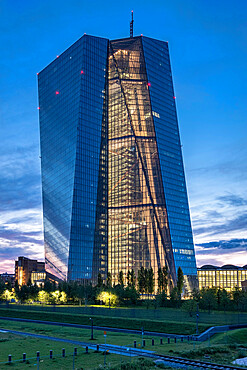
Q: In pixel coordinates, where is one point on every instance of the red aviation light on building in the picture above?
(82, 72)
(149, 84)
(57, 56)
(174, 97)
(57, 92)
(38, 108)
(37, 74)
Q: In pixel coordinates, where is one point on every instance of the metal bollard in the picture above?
(10, 359)
(161, 341)
(168, 340)
(143, 343)
(63, 352)
(75, 351)
(188, 338)
(182, 339)
(152, 342)
(175, 340)
(38, 354)
(50, 353)
(86, 349)
(97, 348)
(24, 357)
(134, 343)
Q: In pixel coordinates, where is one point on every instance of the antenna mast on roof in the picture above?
(131, 24)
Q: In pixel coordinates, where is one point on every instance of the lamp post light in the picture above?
(92, 338)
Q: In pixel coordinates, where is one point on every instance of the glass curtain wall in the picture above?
(138, 232)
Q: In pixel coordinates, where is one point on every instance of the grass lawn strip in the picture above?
(222, 348)
(123, 323)
(212, 318)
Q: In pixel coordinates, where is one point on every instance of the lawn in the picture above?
(142, 313)
(222, 348)
(17, 345)
(187, 328)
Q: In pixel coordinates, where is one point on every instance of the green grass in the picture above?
(16, 345)
(118, 322)
(143, 313)
(222, 348)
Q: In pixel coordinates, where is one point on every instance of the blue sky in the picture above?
(207, 41)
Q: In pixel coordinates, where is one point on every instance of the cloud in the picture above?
(222, 252)
(235, 224)
(225, 244)
(20, 186)
(232, 200)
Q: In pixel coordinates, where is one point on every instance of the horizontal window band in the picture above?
(138, 206)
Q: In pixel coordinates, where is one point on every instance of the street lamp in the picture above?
(92, 338)
(197, 318)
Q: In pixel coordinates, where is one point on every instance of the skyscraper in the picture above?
(114, 192)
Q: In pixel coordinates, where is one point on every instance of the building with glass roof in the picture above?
(225, 277)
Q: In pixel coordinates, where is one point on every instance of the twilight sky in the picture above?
(207, 41)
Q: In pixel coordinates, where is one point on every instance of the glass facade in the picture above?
(164, 113)
(73, 153)
(114, 192)
(226, 277)
(138, 226)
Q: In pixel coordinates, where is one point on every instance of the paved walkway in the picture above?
(240, 361)
(120, 350)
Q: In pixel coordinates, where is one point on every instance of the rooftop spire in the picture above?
(131, 24)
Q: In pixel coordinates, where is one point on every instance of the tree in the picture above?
(133, 279)
(129, 278)
(150, 281)
(209, 299)
(43, 297)
(165, 278)
(23, 293)
(196, 295)
(109, 280)
(132, 295)
(2, 286)
(180, 281)
(141, 280)
(174, 297)
(58, 297)
(100, 280)
(161, 299)
(236, 295)
(121, 278)
(190, 306)
(33, 292)
(223, 299)
(162, 279)
(48, 286)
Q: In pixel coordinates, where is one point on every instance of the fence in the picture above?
(67, 359)
(166, 314)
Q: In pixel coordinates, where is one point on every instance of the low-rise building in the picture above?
(226, 277)
(244, 285)
(39, 278)
(24, 267)
(8, 278)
